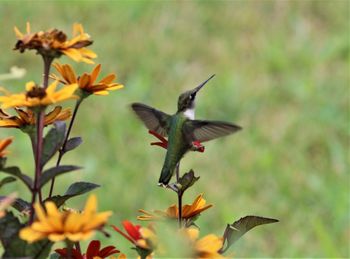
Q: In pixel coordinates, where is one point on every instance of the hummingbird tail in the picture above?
(165, 176)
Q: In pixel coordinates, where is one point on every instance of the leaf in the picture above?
(236, 230)
(17, 248)
(18, 204)
(187, 180)
(72, 144)
(6, 180)
(55, 171)
(75, 189)
(15, 171)
(3, 161)
(53, 141)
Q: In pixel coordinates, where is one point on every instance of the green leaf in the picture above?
(18, 204)
(75, 189)
(55, 171)
(187, 180)
(236, 230)
(15, 171)
(72, 144)
(53, 141)
(14, 246)
(6, 180)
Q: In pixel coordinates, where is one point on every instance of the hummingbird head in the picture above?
(187, 99)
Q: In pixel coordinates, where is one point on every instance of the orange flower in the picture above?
(27, 118)
(39, 97)
(189, 211)
(206, 247)
(54, 43)
(3, 144)
(86, 81)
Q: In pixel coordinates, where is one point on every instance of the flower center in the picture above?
(36, 92)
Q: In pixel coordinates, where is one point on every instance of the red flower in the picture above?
(133, 231)
(196, 145)
(92, 251)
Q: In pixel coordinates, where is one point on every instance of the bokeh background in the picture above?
(282, 73)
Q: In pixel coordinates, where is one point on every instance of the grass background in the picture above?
(282, 73)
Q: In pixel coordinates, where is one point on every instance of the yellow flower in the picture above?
(86, 81)
(38, 96)
(54, 43)
(57, 226)
(27, 118)
(189, 211)
(206, 247)
(3, 144)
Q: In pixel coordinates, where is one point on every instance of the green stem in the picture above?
(179, 195)
(62, 149)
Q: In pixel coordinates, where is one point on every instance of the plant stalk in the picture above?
(62, 149)
(179, 195)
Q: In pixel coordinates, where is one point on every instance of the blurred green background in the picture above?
(282, 73)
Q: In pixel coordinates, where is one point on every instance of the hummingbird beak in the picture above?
(195, 90)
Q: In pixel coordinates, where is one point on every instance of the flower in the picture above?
(196, 145)
(57, 226)
(143, 238)
(38, 96)
(86, 82)
(27, 118)
(54, 43)
(6, 202)
(3, 145)
(206, 247)
(93, 251)
(189, 211)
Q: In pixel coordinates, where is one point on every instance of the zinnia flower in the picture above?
(206, 247)
(189, 211)
(39, 97)
(57, 226)
(3, 145)
(143, 238)
(54, 43)
(93, 251)
(87, 82)
(27, 118)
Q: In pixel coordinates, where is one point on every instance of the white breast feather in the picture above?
(189, 113)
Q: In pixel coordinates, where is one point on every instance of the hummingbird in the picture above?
(181, 129)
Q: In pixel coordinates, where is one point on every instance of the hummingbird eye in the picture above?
(192, 96)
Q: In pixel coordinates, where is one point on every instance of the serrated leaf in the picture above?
(187, 180)
(15, 171)
(53, 141)
(6, 180)
(55, 171)
(17, 248)
(72, 144)
(18, 204)
(73, 190)
(236, 230)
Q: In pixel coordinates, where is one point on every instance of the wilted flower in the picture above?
(196, 145)
(189, 211)
(93, 251)
(3, 145)
(144, 239)
(87, 82)
(27, 117)
(6, 202)
(57, 226)
(206, 247)
(54, 43)
(36, 96)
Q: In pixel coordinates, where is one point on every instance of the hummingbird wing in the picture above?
(202, 130)
(153, 119)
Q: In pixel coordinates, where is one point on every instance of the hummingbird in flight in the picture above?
(181, 129)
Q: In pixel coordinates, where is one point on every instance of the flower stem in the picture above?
(62, 149)
(179, 195)
(47, 65)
